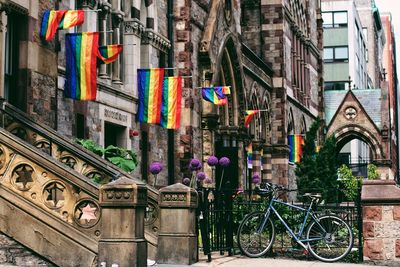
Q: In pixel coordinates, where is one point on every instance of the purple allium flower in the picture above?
(212, 161)
(201, 176)
(224, 162)
(208, 181)
(195, 165)
(186, 181)
(155, 168)
(256, 178)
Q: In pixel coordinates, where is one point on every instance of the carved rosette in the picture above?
(156, 40)
(134, 26)
(152, 214)
(350, 113)
(23, 177)
(54, 195)
(87, 213)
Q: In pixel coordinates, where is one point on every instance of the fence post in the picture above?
(177, 239)
(359, 221)
(122, 243)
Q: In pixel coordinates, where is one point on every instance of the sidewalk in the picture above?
(240, 261)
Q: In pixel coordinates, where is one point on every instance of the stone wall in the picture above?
(381, 231)
(381, 222)
(11, 252)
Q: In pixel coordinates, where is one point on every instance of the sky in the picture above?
(392, 6)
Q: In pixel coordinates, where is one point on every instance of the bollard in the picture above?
(122, 243)
(177, 238)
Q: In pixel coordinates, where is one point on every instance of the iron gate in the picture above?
(221, 211)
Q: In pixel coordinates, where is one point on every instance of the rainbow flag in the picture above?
(109, 53)
(171, 103)
(150, 82)
(210, 95)
(222, 91)
(295, 143)
(81, 57)
(249, 115)
(250, 156)
(59, 19)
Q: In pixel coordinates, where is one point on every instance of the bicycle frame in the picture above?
(297, 237)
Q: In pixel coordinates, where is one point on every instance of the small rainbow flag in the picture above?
(295, 143)
(249, 115)
(109, 53)
(80, 50)
(150, 82)
(250, 156)
(222, 91)
(171, 103)
(209, 94)
(59, 19)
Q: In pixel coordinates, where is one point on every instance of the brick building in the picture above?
(269, 52)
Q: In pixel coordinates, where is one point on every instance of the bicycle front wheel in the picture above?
(330, 238)
(252, 242)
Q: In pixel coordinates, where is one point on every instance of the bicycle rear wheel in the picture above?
(333, 238)
(251, 243)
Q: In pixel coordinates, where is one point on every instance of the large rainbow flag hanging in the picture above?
(150, 82)
(209, 94)
(59, 19)
(171, 103)
(249, 115)
(109, 53)
(81, 57)
(250, 156)
(295, 143)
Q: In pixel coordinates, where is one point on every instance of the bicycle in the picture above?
(328, 238)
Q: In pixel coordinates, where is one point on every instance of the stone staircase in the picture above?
(48, 200)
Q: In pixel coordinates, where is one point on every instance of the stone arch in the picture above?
(348, 132)
(228, 71)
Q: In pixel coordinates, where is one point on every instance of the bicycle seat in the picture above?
(313, 195)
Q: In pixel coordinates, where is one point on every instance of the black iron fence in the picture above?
(220, 213)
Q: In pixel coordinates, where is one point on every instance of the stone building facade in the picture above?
(269, 52)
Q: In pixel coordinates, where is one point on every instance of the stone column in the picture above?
(103, 15)
(177, 239)
(123, 203)
(257, 146)
(3, 29)
(117, 17)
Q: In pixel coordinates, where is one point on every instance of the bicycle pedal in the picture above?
(305, 252)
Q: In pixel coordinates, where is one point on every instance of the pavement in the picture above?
(240, 261)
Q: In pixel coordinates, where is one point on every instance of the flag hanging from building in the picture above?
(150, 82)
(109, 53)
(295, 143)
(171, 102)
(81, 57)
(250, 156)
(210, 95)
(222, 91)
(249, 115)
(59, 19)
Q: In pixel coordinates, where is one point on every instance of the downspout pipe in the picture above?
(171, 135)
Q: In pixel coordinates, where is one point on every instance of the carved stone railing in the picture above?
(76, 161)
(46, 207)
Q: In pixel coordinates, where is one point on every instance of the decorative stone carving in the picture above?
(69, 161)
(350, 113)
(178, 195)
(87, 213)
(134, 26)
(53, 195)
(156, 40)
(44, 145)
(23, 177)
(87, 4)
(117, 17)
(123, 192)
(152, 213)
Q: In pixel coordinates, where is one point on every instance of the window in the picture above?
(340, 85)
(80, 126)
(334, 19)
(336, 54)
